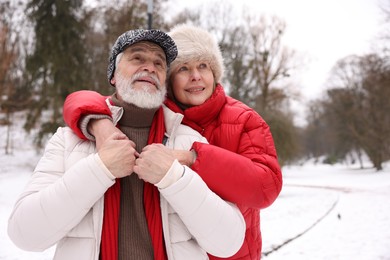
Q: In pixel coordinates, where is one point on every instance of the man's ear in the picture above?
(113, 81)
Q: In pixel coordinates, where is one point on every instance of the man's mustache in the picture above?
(140, 75)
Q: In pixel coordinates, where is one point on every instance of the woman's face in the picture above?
(192, 83)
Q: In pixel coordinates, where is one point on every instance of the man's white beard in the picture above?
(142, 98)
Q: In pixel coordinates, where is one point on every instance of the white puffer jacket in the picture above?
(63, 203)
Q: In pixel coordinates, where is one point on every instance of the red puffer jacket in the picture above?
(239, 163)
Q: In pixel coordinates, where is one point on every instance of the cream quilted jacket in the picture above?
(63, 203)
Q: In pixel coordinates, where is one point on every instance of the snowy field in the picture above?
(323, 212)
(330, 212)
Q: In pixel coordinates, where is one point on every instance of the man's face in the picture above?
(140, 75)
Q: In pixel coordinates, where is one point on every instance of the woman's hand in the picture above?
(153, 163)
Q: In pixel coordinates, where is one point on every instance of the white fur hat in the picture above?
(194, 43)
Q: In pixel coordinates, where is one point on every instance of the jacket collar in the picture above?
(172, 119)
(198, 117)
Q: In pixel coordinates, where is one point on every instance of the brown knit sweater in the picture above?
(134, 238)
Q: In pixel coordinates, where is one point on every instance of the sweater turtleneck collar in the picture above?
(134, 116)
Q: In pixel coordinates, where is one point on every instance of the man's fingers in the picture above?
(118, 136)
(152, 147)
(121, 136)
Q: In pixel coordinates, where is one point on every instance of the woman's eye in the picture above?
(203, 66)
(183, 69)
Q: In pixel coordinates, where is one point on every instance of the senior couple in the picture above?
(168, 167)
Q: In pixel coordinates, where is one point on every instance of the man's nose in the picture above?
(149, 66)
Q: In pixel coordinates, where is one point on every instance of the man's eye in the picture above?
(135, 58)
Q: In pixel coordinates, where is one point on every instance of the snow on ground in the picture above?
(345, 212)
(323, 212)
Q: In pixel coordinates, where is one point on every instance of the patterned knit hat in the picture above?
(196, 44)
(134, 36)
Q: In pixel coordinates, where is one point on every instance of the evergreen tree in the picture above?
(56, 65)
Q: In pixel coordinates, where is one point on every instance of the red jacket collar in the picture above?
(198, 117)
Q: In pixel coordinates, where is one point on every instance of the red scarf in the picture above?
(109, 244)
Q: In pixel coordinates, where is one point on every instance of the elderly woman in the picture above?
(239, 163)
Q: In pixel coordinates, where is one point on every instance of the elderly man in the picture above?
(125, 199)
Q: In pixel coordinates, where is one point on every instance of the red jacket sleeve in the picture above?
(81, 103)
(249, 175)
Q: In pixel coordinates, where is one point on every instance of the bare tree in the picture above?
(376, 93)
(316, 127)
(271, 63)
(357, 107)
(9, 54)
(385, 33)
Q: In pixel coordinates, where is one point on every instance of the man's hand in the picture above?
(118, 154)
(154, 162)
(102, 129)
